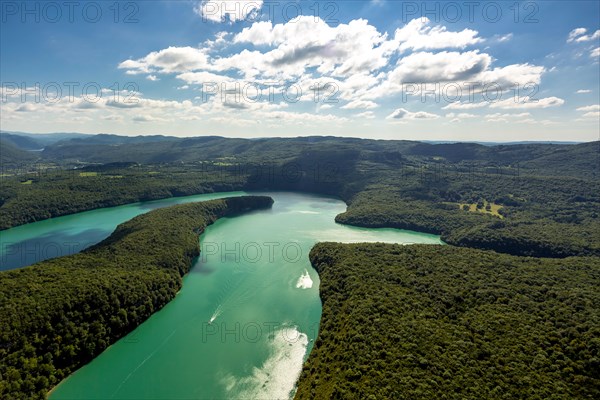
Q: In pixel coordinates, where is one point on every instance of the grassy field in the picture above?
(488, 208)
(88, 174)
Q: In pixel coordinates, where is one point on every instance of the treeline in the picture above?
(50, 194)
(441, 322)
(539, 216)
(59, 314)
(396, 184)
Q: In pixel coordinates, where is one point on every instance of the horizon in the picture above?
(378, 69)
(33, 134)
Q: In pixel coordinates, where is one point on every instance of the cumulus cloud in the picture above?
(507, 77)
(27, 107)
(169, 60)
(578, 35)
(147, 118)
(575, 33)
(594, 107)
(404, 114)
(366, 115)
(582, 91)
(461, 115)
(426, 67)
(365, 104)
(302, 43)
(464, 106)
(418, 34)
(592, 114)
(527, 103)
(308, 42)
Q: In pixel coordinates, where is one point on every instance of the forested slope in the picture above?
(59, 314)
(440, 322)
(532, 199)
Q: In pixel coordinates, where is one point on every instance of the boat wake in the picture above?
(304, 282)
(215, 315)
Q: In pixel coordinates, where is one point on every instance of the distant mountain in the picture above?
(45, 138)
(21, 142)
(499, 143)
(104, 138)
(10, 155)
(559, 159)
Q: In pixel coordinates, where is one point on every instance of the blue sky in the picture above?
(498, 71)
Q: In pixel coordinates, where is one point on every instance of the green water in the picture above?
(246, 317)
(31, 243)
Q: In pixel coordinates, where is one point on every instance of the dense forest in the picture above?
(460, 321)
(59, 314)
(531, 199)
(441, 322)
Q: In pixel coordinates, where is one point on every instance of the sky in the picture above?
(449, 70)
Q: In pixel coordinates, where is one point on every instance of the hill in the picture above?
(430, 322)
(579, 160)
(11, 156)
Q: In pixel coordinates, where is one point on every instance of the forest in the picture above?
(508, 309)
(546, 197)
(441, 322)
(59, 314)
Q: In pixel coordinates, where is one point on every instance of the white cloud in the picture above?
(595, 53)
(169, 60)
(418, 34)
(306, 42)
(152, 78)
(461, 115)
(219, 40)
(228, 10)
(366, 115)
(443, 71)
(27, 107)
(507, 77)
(507, 115)
(505, 38)
(587, 38)
(353, 57)
(527, 103)
(581, 91)
(365, 104)
(593, 114)
(425, 67)
(594, 107)
(203, 77)
(404, 114)
(575, 33)
(464, 106)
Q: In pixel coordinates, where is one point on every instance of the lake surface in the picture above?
(246, 317)
(38, 241)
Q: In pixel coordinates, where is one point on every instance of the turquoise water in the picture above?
(31, 243)
(248, 313)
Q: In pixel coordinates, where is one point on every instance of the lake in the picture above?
(246, 317)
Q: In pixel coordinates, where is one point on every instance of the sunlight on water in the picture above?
(304, 282)
(246, 317)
